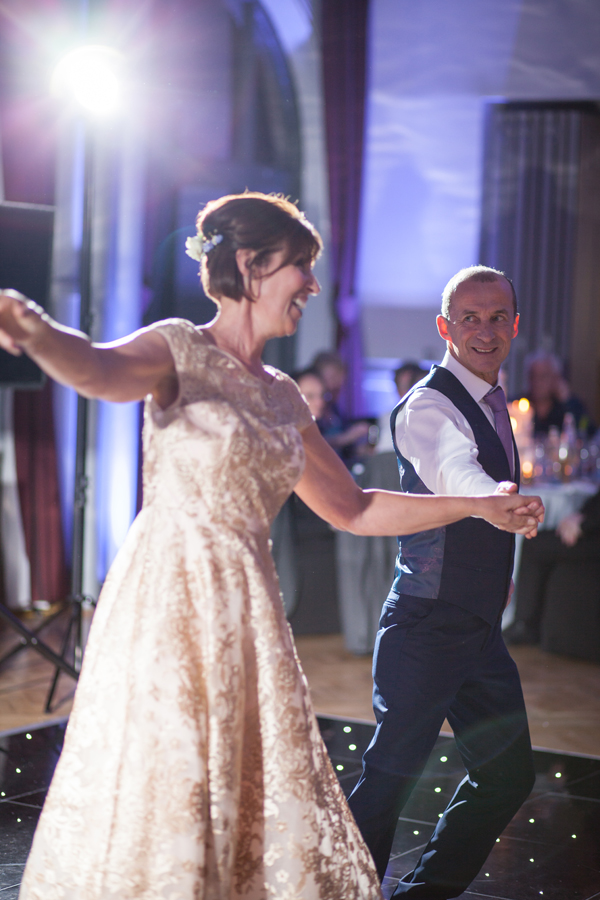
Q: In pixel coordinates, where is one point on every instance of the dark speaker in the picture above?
(26, 231)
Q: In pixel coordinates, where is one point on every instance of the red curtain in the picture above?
(37, 475)
(27, 130)
(344, 29)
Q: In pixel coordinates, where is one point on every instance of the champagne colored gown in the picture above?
(193, 765)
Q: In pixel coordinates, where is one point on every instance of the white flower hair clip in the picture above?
(197, 247)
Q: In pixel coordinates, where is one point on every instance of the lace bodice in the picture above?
(228, 451)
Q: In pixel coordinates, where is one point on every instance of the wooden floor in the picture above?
(562, 695)
(25, 680)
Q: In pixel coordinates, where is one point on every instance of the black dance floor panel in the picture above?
(550, 850)
(27, 761)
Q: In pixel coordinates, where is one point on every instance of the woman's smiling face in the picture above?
(281, 292)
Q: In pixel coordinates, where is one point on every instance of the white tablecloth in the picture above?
(561, 499)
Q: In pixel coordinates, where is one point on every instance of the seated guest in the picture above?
(304, 545)
(312, 387)
(551, 397)
(340, 433)
(405, 377)
(575, 540)
(331, 369)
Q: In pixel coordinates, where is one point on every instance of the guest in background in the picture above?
(576, 540)
(313, 389)
(344, 435)
(304, 545)
(551, 396)
(405, 376)
(332, 369)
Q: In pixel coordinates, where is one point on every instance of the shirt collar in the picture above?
(475, 385)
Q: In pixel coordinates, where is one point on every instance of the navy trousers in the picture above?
(434, 660)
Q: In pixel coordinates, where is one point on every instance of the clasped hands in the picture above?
(523, 514)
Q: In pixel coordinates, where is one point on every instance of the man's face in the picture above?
(481, 326)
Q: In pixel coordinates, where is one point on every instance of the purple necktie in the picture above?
(496, 400)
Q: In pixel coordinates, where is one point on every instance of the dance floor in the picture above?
(550, 849)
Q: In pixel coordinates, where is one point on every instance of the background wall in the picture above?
(433, 66)
(297, 25)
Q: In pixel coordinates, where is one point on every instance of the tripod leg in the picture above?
(63, 653)
(23, 644)
(78, 643)
(35, 643)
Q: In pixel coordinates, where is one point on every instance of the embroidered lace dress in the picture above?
(193, 766)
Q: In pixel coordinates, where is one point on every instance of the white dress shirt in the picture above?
(437, 439)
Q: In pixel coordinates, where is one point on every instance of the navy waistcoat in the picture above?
(470, 562)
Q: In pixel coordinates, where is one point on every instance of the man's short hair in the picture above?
(484, 274)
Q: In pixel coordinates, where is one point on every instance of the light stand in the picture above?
(88, 75)
(73, 639)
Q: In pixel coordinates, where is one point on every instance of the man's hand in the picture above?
(20, 321)
(510, 511)
(569, 529)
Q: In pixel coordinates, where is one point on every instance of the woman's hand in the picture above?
(21, 321)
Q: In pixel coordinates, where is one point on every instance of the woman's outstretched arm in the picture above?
(123, 370)
(328, 488)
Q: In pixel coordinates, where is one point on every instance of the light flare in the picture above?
(88, 74)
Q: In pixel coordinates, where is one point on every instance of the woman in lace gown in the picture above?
(192, 765)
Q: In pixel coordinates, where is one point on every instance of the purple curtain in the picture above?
(344, 29)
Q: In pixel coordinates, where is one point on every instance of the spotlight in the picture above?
(88, 75)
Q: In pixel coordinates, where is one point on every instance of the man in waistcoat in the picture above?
(439, 650)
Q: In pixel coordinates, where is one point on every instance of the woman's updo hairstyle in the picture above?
(264, 223)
